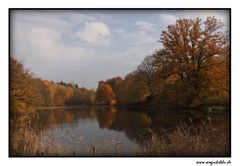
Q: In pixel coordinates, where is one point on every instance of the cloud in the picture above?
(144, 25)
(221, 15)
(140, 38)
(167, 18)
(47, 52)
(94, 32)
(171, 17)
(39, 41)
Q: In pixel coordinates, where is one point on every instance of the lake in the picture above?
(110, 130)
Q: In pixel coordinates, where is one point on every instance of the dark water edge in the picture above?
(111, 131)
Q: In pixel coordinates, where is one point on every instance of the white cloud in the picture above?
(170, 18)
(94, 32)
(167, 19)
(140, 38)
(144, 25)
(221, 15)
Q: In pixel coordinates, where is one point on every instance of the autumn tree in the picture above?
(216, 83)
(131, 90)
(91, 97)
(59, 97)
(52, 86)
(68, 93)
(23, 95)
(43, 90)
(148, 75)
(105, 94)
(115, 83)
(191, 46)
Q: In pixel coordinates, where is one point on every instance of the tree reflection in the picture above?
(136, 125)
(106, 116)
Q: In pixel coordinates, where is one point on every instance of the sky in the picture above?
(86, 46)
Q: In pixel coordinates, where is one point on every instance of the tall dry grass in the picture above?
(24, 141)
(202, 140)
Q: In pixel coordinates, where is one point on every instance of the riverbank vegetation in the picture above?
(190, 140)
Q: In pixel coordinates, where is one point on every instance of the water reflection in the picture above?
(106, 117)
(77, 128)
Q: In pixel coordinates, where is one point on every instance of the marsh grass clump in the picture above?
(202, 140)
(27, 142)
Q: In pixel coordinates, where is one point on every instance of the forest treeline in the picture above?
(190, 70)
(28, 92)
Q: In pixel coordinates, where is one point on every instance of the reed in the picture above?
(202, 140)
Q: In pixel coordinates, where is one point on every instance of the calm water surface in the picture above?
(109, 129)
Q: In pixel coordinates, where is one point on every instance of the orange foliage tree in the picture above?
(105, 94)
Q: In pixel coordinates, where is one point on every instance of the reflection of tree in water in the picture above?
(63, 116)
(132, 123)
(105, 116)
(136, 125)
